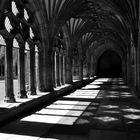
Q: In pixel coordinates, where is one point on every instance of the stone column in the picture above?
(40, 68)
(58, 68)
(128, 67)
(137, 67)
(9, 93)
(62, 66)
(27, 69)
(92, 67)
(21, 71)
(55, 69)
(69, 60)
(36, 68)
(32, 67)
(88, 67)
(81, 70)
(64, 69)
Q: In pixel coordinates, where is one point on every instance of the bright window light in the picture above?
(27, 46)
(26, 16)
(8, 25)
(15, 43)
(2, 41)
(14, 8)
(31, 33)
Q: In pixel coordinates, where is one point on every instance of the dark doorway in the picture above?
(109, 65)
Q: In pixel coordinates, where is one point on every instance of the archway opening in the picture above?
(109, 65)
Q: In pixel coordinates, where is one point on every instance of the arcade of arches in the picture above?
(43, 53)
(45, 44)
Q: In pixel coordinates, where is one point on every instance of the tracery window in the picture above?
(26, 16)
(2, 41)
(31, 33)
(14, 8)
(8, 25)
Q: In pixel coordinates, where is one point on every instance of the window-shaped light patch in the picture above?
(14, 8)
(2, 41)
(15, 43)
(8, 25)
(26, 16)
(31, 33)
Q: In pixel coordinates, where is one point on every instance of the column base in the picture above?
(59, 84)
(63, 83)
(32, 92)
(46, 90)
(55, 85)
(22, 94)
(9, 100)
(69, 82)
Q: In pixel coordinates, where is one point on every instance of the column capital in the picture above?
(57, 50)
(20, 41)
(31, 43)
(6, 35)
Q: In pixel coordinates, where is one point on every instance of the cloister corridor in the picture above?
(69, 69)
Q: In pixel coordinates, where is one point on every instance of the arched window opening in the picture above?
(2, 41)
(31, 33)
(15, 43)
(8, 25)
(109, 65)
(14, 8)
(26, 16)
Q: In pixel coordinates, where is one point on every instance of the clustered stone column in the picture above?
(54, 69)
(32, 68)
(63, 68)
(21, 70)
(81, 67)
(59, 67)
(9, 93)
(68, 66)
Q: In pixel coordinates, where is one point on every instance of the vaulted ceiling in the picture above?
(115, 20)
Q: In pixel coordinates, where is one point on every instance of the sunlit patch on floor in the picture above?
(63, 102)
(83, 121)
(132, 116)
(109, 106)
(111, 111)
(4, 136)
(131, 110)
(75, 113)
(88, 114)
(83, 94)
(67, 107)
(91, 87)
(106, 119)
(50, 119)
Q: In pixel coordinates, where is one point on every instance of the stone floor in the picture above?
(106, 109)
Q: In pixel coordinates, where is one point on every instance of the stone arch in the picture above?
(109, 65)
(98, 52)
